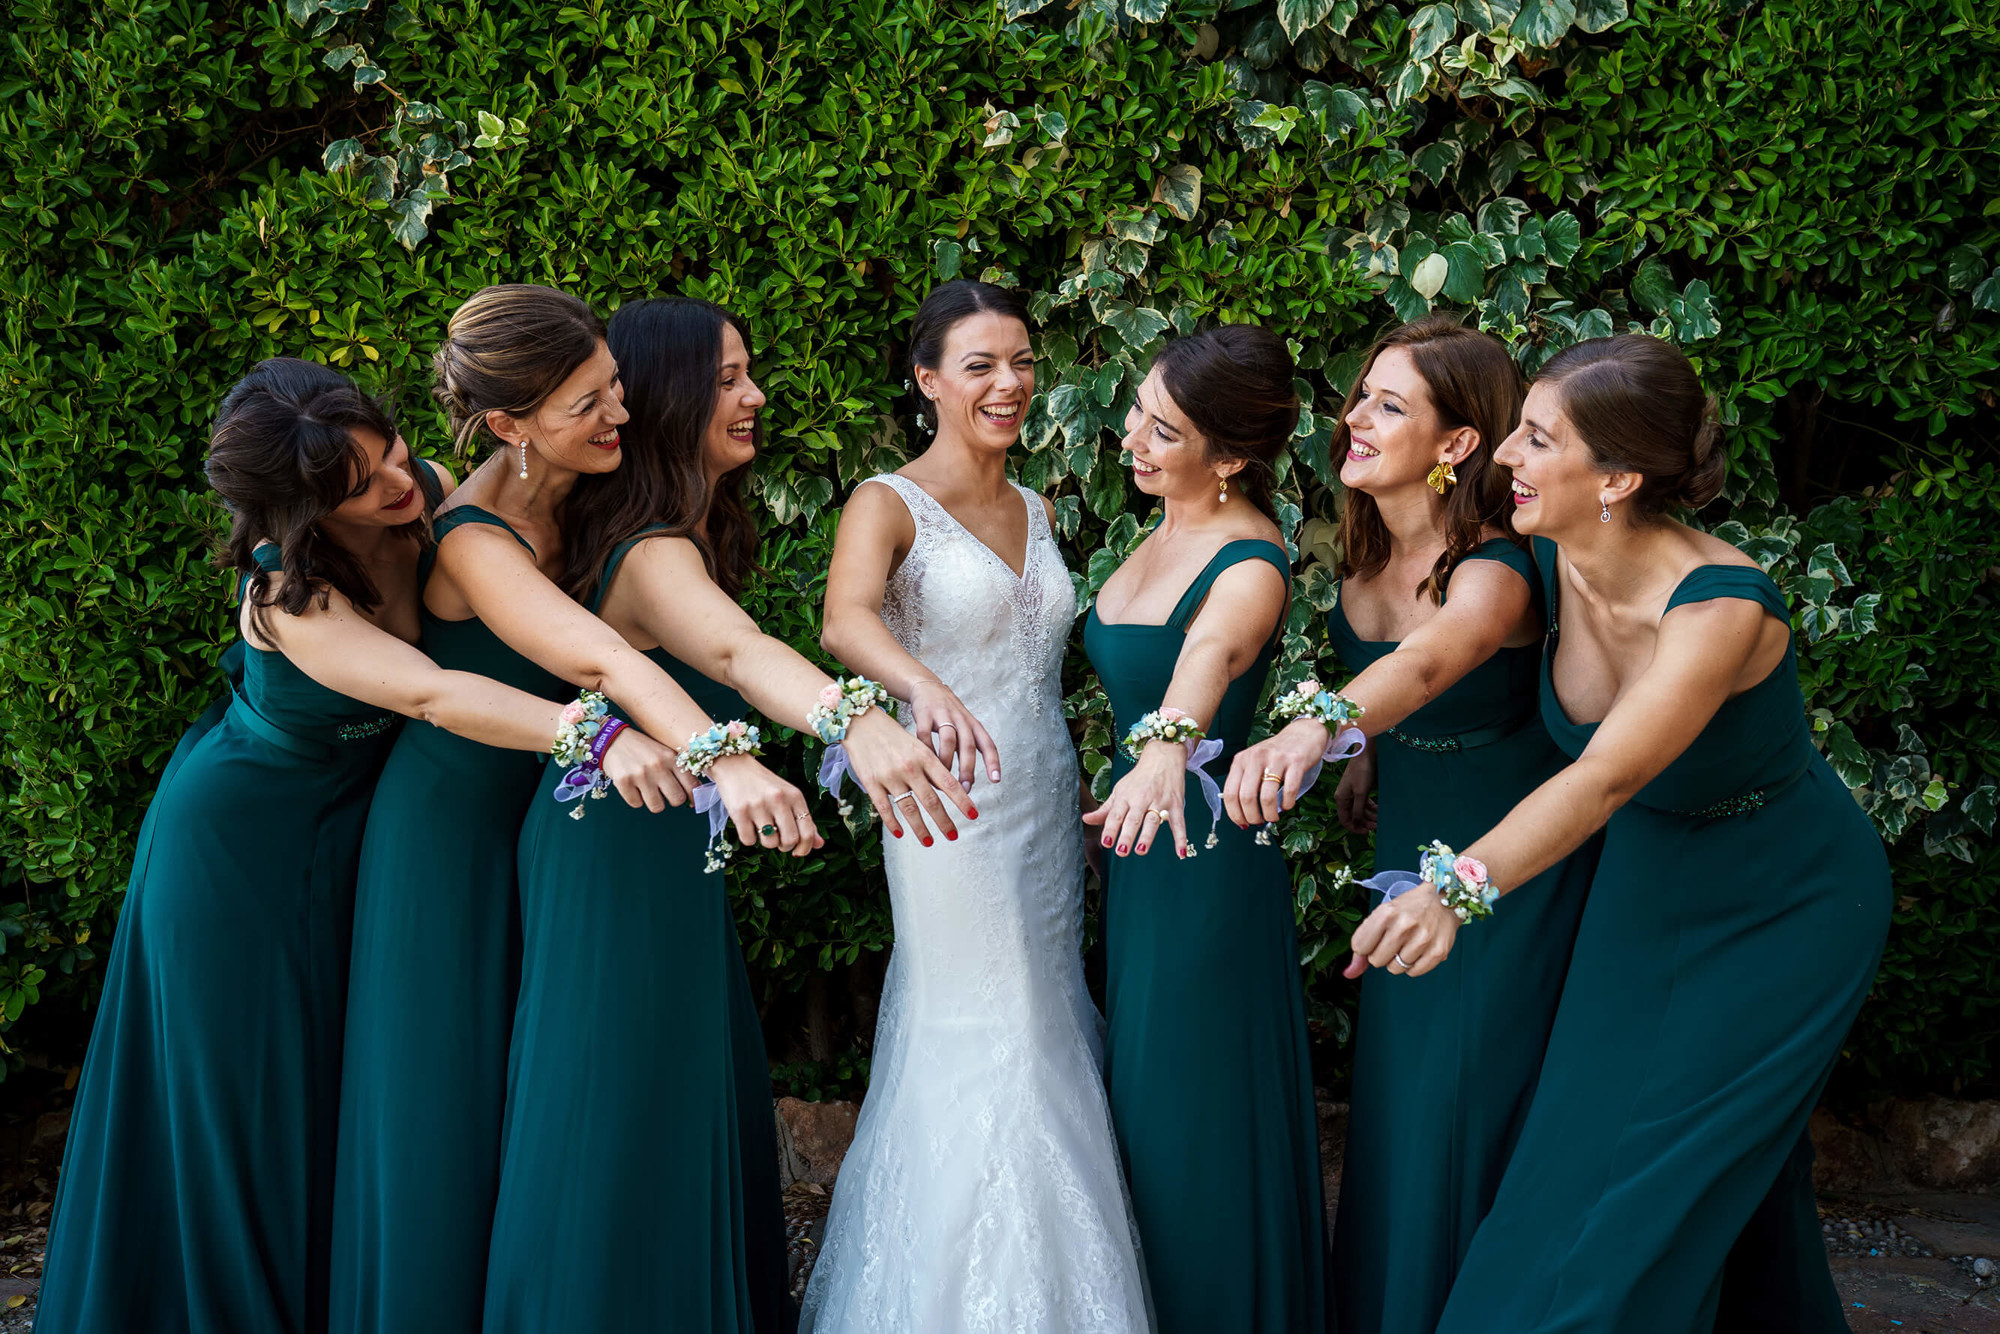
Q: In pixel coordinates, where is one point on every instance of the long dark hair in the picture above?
(1640, 407)
(1234, 382)
(668, 350)
(506, 349)
(282, 456)
(1472, 382)
(941, 311)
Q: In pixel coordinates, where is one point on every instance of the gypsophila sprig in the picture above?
(704, 748)
(581, 720)
(841, 703)
(1309, 699)
(1461, 882)
(1162, 724)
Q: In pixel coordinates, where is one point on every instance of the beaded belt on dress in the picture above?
(1457, 741)
(1744, 802)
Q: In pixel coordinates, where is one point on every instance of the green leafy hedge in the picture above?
(1805, 199)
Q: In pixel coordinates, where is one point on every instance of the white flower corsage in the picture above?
(704, 748)
(585, 731)
(1461, 882)
(1162, 724)
(1308, 699)
(840, 704)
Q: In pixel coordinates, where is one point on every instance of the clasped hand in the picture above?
(905, 778)
(1152, 794)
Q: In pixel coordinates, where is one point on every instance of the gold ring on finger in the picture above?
(1270, 777)
(768, 831)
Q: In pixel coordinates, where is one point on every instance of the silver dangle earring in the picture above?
(1603, 511)
(524, 460)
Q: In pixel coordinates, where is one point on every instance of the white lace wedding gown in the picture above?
(983, 1190)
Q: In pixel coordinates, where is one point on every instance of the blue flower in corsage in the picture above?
(1461, 881)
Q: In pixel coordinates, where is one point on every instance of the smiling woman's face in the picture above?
(982, 384)
(731, 440)
(385, 493)
(576, 427)
(1395, 434)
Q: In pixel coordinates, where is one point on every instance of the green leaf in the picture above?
(1986, 296)
(1862, 615)
(1503, 215)
(1825, 560)
(1694, 315)
(1266, 43)
(408, 219)
(1979, 806)
(1142, 226)
(1337, 111)
(1428, 278)
(945, 259)
(1430, 28)
(1408, 81)
(1465, 279)
(1434, 161)
(1488, 15)
(1505, 164)
(1000, 127)
(1179, 189)
(1653, 285)
(1847, 756)
(340, 57)
(1563, 235)
(1137, 326)
(1146, 11)
(1543, 22)
(1052, 125)
(1935, 794)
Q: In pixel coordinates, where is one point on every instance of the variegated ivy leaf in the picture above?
(409, 218)
(1862, 615)
(343, 56)
(1488, 15)
(1000, 127)
(1179, 189)
(1429, 276)
(1408, 82)
(1986, 296)
(1385, 220)
(1053, 126)
(1502, 215)
(946, 256)
(1543, 22)
(1280, 120)
(1825, 560)
(1693, 314)
(1597, 15)
(1145, 11)
(1653, 284)
(1143, 227)
(1017, 9)
(1295, 16)
(1137, 326)
(1562, 234)
(340, 153)
(1435, 161)
(1430, 28)
(1338, 111)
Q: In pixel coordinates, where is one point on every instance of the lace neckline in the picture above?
(904, 486)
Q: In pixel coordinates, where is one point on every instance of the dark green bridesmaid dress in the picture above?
(437, 958)
(1732, 931)
(197, 1183)
(639, 1179)
(1206, 1060)
(1445, 1064)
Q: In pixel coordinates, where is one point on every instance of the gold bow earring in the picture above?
(1442, 478)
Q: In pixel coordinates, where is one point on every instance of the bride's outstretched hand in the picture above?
(1411, 933)
(1152, 795)
(904, 777)
(1250, 796)
(961, 741)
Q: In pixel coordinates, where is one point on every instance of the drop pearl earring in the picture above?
(1222, 490)
(524, 460)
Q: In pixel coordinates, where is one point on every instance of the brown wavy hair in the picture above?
(1473, 382)
(669, 351)
(1640, 407)
(1234, 383)
(281, 457)
(506, 349)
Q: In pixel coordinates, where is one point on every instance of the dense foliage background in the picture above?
(1805, 195)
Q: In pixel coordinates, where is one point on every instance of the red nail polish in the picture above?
(972, 812)
(951, 835)
(1142, 849)
(1106, 843)
(1122, 849)
(897, 832)
(928, 842)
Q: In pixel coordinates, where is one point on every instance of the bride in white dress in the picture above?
(983, 1189)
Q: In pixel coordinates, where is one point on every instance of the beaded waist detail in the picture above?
(363, 730)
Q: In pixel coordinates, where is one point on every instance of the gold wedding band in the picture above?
(1270, 777)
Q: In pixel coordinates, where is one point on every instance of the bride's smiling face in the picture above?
(982, 383)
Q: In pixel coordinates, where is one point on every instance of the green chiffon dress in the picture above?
(1445, 1064)
(197, 1183)
(437, 957)
(639, 1179)
(1732, 931)
(1206, 1059)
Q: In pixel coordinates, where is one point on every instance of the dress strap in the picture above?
(428, 483)
(617, 558)
(1707, 582)
(1505, 551)
(460, 515)
(1544, 553)
(1232, 553)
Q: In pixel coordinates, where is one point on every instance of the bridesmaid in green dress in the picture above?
(639, 1175)
(436, 959)
(1440, 615)
(196, 1186)
(1206, 1061)
(1740, 903)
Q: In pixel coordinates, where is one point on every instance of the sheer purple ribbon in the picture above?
(588, 777)
(1346, 744)
(1391, 884)
(834, 768)
(708, 801)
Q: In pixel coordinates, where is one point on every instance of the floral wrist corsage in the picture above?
(1162, 724)
(704, 748)
(1308, 699)
(1461, 881)
(585, 732)
(841, 703)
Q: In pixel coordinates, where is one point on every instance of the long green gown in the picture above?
(1445, 1064)
(437, 958)
(639, 1182)
(1206, 1060)
(1732, 931)
(196, 1186)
